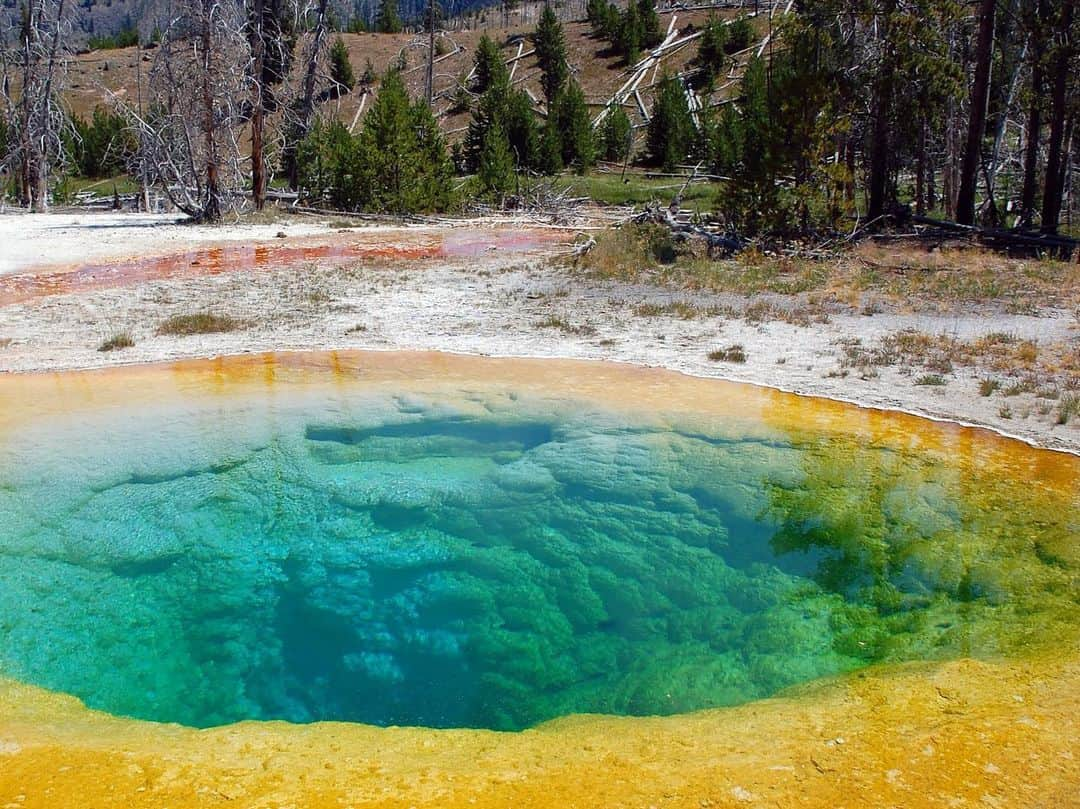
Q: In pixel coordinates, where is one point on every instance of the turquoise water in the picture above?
(491, 561)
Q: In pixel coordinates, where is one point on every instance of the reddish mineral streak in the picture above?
(30, 285)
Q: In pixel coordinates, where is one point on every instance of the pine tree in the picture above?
(433, 170)
(712, 52)
(739, 35)
(571, 115)
(341, 72)
(551, 161)
(398, 162)
(490, 66)
(495, 172)
(617, 135)
(596, 13)
(522, 136)
(650, 24)
(388, 21)
(671, 129)
(551, 54)
(631, 34)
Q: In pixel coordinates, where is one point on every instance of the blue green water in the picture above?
(495, 561)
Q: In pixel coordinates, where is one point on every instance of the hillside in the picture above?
(101, 76)
(108, 17)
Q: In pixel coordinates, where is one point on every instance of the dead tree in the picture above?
(1062, 66)
(980, 92)
(35, 116)
(1035, 17)
(199, 95)
(305, 108)
(258, 101)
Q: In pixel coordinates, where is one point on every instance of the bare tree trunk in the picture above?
(142, 150)
(920, 171)
(1033, 125)
(980, 91)
(258, 115)
(931, 187)
(948, 180)
(1051, 211)
(431, 53)
(212, 211)
(311, 73)
(880, 150)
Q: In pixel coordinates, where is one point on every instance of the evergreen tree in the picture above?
(398, 162)
(522, 136)
(650, 24)
(712, 52)
(490, 66)
(671, 129)
(495, 171)
(617, 135)
(551, 54)
(341, 71)
(631, 34)
(611, 23)
(739, 35)
(388, 21)
(430, 188)
(570, 118)
(596, 14)
(551, 161)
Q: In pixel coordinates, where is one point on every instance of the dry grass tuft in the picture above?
(198, 323)
(117, 342)
(733, 353)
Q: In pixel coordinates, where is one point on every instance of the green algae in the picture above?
(486, 560)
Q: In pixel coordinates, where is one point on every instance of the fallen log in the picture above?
(1055, 245)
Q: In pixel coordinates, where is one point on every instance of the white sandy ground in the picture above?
(63, 239)
(493, 305)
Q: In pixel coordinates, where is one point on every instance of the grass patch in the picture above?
(198, 323)
(733, 353)
(117, 342)
(565, 326)
(987, 387)
(635, 189)
(103, 188)
(1068, 407)
(930, 379)
(679, 309)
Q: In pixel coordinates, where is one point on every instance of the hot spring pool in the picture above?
(450, 542)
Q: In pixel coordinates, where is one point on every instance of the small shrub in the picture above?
(733, 353)
(988, 386)
(1005, 412)
(117, 342)
(200, 323)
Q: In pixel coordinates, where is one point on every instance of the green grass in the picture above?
(103, 187)
(611, 189)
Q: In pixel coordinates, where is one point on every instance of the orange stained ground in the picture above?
(216, 260)
(955, 734)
